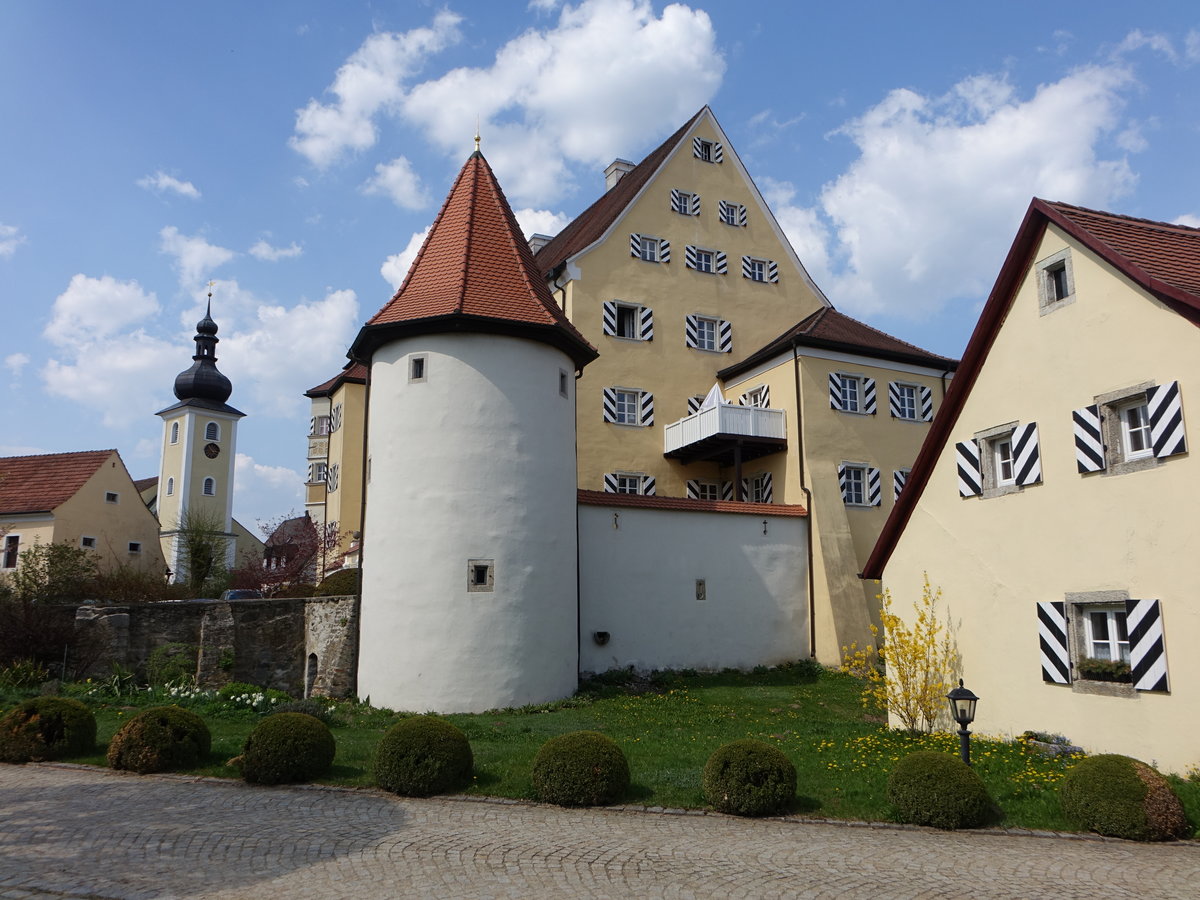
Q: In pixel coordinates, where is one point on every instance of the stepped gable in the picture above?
(33, 484)
(829, 329)
(474, 273)
(587, 228)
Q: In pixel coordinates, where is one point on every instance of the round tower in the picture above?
(469, 538)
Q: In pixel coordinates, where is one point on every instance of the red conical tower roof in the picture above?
(475, 273)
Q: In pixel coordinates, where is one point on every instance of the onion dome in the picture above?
(202, 381)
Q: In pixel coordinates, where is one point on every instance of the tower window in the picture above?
(563, 383)
(174, 432)
(481, 575)
(212, 432)
(170, 486)
(210, 487)
(416, 368)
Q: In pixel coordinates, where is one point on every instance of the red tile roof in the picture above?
(589, 225)
(603, 498)
(833, 330)
(30, 484)
(475, 271)
(353, 373)
(1163, 258)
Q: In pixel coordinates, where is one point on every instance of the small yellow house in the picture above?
(1055, 499)
(85, 499)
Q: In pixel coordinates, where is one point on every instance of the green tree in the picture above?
(202, 541)
(54, 573)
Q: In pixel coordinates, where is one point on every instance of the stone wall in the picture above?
(305, 646)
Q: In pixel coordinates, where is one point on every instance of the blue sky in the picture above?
(294, 153)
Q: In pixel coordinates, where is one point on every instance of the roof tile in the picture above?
(42, 483)
(604, 498)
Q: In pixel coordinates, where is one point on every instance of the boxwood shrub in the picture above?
(581, 768)
(286, 748)
(160, 739)
(423, 756)
(937, 789)
(1122, 797)
(44, 728)
(749, 778)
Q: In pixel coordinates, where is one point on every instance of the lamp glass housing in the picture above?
(962, 704)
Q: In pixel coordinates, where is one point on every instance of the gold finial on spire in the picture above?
(477, 134)
(210, 287)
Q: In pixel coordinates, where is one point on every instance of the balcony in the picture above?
(726, 434)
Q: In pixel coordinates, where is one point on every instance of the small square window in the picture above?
(416, 369)
(1055, 281)
(111, 497)
(702, 149)
(481, 575)
(88, 543)
(135, 547)
(731, 213)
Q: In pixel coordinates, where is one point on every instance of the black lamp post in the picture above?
(962, 708)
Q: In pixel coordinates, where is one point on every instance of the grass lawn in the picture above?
(667, 727)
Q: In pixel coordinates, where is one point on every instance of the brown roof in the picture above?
(142, 483)
(589, 225)
(603, 498)
(30, 484)
(1163, 258)
(832, 330)
(353, 373)
(475, 272)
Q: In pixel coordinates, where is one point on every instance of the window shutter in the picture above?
(1147, 652)
(610, 317)
(970, 477)
(1027, 455)
(835, 391)
(698, 147)
(768, 488)
(747, 261)
(718, 153)
(311, 466)
(725, 344)
(635, 245)
(610, 482)
(647, 485)
(842, 482)
(646, 323)
(693, 489)
(745, 490)
(689, 331)
(1089, 442)
(664, 251)
(689, 256)
(676, 201)
(926, 404)
(331, 478)
(647, 408)
(742, 215)
(694, 205)
(312, 427)
(869, 404)
(899, 476)
(610, 405)
(874, 484)
(1052, 640)
(772, 271)
(727, 490)
(694, 405)
(766, 396)
(894, 399)
(721, 263)
(1166, 420)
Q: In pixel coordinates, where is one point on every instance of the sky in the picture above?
(295, 154)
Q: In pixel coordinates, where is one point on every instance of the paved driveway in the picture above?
(69, 831)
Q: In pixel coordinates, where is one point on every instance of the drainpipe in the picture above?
(812, 581)
(578, 576)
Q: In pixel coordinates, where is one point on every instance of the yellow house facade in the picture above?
(333, 490)
(1055, 500)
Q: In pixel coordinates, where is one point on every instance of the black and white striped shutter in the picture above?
(894, 399)
(635, 245)
(772, 271)
(689, 256)
(646, 323)
(693, 489)
(689, 330)
(647, 486)
(970, 475)
(1027, 455)
(1147, 652)
(1166, 420)
(1052, 641)
(742, 215)
(926, 404)
(869, 402)
(835, 391)
(718, 153)
(694, 205)
(1089, 443)
(664, 251)
(768, 488)
(676, 201)
(610, 482)
(312, 427)
(331, 478)
(694, 404)
(725, 337)
(721, 262)
(745, 490)
(698, 147)
(874, 485)
(610, 405)
(609, 315)
(842, 481)
(766, 396)
(727, 490)
(899, 476)
(647, 408)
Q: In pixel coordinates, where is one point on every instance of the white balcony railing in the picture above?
(745, 421)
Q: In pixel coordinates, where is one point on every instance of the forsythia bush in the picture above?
(911, 669)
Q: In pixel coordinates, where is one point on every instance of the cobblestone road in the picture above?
(76, 832)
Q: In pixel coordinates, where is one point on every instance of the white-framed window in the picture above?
(999, 460)
(630, 321)
(212, 432)
(759, 395)
(701, 489)
(1128, 430)
(1003, 462)
(628, 406)
(1103, 642)
(852, 393)
(418, 368)
(11, 552)
(649, 248)
(87, 543)
(112, 497)
(686, 203)
(1056, 281)
(706, 333)
(905, 401)
(765, 271)
(707, 151)
(758, 488)
(1107, 634)
(318, 426)
(317, 472)
(170, 487)
(854, 485)
(210, 487)
(174, 432)
(135, 546)
(1134, 416)
(629, 483)
(730, 213)
(704, 261)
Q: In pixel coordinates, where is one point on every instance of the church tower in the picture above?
(469, 587)
(195, 477)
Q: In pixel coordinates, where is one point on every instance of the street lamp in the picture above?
(962, 708)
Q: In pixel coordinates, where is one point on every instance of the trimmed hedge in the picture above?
(1122, 797)
(937, 789)
(171, 662)
(582, 768)
(46, 728)
(749, 778)
(286, 748)
(423, 756)
(160, 739)
(345, 582)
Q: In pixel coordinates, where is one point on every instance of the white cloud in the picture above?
(160, 181)
(1137, 39)
(543, 6)
(264, 251)
(395, 267)
(368, 83)
(1191, 46)
(1189, 220)
(16, 362)
(94, 308)
(195, 258)
(10, 239)
(540, 221)
(398, 180)
(265, 493)
(934, 174)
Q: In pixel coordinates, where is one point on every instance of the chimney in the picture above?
(538, 241)
(616, 170)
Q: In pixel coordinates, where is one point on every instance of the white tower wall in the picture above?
(474, 463)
